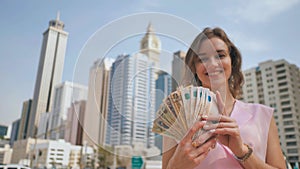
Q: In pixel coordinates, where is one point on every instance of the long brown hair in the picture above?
(236, 79)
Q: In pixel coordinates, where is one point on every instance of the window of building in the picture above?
(279, 66)
(283, 90)
(290, 129)
(285, 103)
(290, 136)
(280, 71)
(291, 143)
(282, 84)
(284, 96)
(286, 109)
(281, 78)
(292, 150)
(293, 158)
(290, 122)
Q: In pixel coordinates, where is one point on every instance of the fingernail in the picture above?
(213, 146)
(212, 130)
(194, 144)
(206, 127)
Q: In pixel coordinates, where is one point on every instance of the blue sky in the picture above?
(262, 30)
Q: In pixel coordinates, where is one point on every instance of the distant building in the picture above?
(150, 45)
(74, 123)
(131, 105)
(59, 154)
(163, 86)
(49, 72)
(277, 84)
(5, 152)
(42, 130)
(21, 150)
(24, 119)
(14, 132)
(3, 131)
(95, 115)
(66, 94)
(178, 69)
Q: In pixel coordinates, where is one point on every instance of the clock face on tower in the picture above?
(154, 45)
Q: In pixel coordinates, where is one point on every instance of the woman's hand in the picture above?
(186, 155)
(228, 131)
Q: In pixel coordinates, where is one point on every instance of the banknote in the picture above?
(182, 108)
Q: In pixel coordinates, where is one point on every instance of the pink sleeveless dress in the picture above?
(254, 122)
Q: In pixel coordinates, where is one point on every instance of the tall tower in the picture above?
(179, 69)
(276, 84)
(94, 125)
(151, 45)
(49, 71)
(131, 105)
(66, 94)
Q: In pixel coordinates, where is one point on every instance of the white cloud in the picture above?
(261, 10)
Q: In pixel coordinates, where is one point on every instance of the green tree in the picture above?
(105, 156)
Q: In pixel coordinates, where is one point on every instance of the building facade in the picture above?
(49, 72)
(163, 86)
(5, 152)
(277, 84)
(178, 69)
(24, 119)
(74, 123)
(131, 105)
(150, 45)
(66, 94)
(59, 154)
(3, 130)
(94, 124)
(14, 131)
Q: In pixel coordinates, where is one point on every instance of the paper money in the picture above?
(181, 109)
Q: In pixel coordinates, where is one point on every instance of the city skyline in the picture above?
(262, 30)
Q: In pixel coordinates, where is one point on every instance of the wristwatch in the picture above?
(246, 156)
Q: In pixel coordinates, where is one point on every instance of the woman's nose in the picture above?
(213, 61)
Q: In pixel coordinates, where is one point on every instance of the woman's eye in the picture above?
(220, 56)
(203, 59)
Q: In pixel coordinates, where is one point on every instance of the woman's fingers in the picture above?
(210, 143)
(197, 126)
(203, 150)
(227, 131)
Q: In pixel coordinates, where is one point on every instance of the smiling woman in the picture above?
(246, 133)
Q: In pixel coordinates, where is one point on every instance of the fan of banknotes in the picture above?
(182, 108)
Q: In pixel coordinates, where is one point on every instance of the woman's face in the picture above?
(213, 64)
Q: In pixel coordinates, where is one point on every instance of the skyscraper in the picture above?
(49, 73)
(277, 84)
(151, 46)
(94, 125)
(178, 69)
(3, 130)
(163, 86)
(66, 94)
(24, 119)
(74, 129)
(14, 132)
(131, 105)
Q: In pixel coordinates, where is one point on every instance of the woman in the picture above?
(246, 134)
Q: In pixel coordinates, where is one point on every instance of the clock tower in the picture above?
(151, 45)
